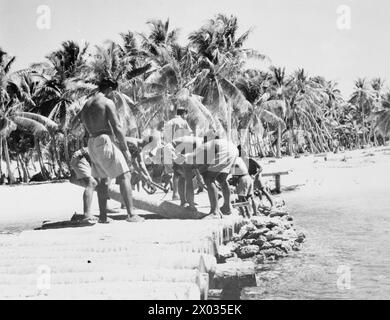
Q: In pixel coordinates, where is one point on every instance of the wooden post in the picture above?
(277, 183)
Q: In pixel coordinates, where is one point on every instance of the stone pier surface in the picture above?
(157, 259)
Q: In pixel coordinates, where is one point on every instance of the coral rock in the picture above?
(248, 251)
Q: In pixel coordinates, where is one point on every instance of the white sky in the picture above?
(293, 33)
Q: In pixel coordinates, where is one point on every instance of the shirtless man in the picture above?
(136, 148)
(214, 159)
(108, 161)
(183, 172)
(176, 128)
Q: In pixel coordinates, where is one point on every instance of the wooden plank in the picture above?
(272, 174)
(165, 209)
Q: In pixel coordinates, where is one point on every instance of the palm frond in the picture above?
(45, 121)
(198, 113)
(270, 117)
(235, 96)
(29, 125)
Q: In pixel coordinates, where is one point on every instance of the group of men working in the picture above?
(110, 155)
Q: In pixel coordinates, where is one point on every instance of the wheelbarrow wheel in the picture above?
(149, 189)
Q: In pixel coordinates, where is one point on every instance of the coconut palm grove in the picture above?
(272, 112)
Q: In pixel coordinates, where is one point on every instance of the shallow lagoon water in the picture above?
(346, 218)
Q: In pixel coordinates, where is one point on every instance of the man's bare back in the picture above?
(94, 115)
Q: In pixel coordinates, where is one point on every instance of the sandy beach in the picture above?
(331, 174)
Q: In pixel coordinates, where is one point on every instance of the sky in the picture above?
(310, 34)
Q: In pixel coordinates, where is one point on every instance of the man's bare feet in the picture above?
(135, 218)
(175, 197)
(105, 221)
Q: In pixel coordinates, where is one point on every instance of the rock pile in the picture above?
(263, 238)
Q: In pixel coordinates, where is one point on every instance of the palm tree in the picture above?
(377, 85)
(61, 86)
(161, 40)
(220, 58)
(264, 108)
(13, 117)
(363, 99)
(383, 116)
(218, 38)
(6, 126)
(278, 87)
(305, 112)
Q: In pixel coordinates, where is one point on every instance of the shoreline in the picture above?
(338, 173)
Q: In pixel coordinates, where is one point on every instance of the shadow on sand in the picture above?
(82, 223)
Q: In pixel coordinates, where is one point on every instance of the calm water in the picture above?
(346, 231)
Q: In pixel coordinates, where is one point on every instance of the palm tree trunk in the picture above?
(77, 144)
(357, 139)
(250, 144)
(25, 163)
(261, 149)
(229, 121)
(279, 142)
(18, 167)
(8, 161)
(290, 143)
(1, 157)
(364, 127)
(56, 155)
(40, 159)
(20, 160)
(66, 148)
(33, 163)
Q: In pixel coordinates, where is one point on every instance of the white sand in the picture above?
(371, 167)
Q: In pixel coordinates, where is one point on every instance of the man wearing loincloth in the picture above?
(109, 161)
(174, 158)
(176, 128)
(214, 160)
(82, 176)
